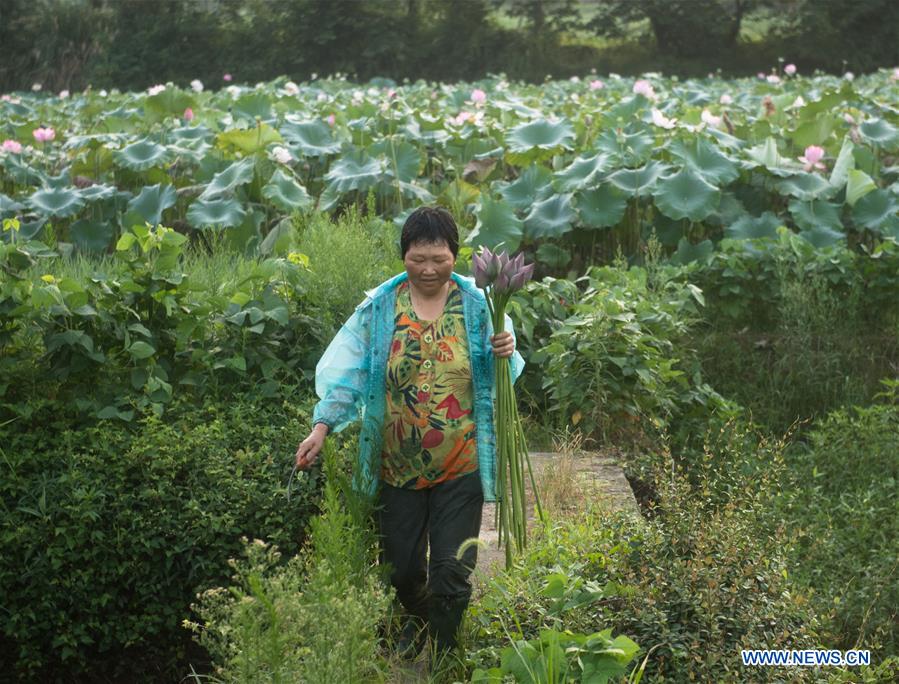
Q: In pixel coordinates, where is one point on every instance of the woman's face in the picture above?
(429, 265)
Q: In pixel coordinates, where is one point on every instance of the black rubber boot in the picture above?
(412, 638)
(444, 617)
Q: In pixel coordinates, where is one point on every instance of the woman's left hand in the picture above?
(503, 344)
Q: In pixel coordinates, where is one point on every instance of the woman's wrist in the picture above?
(322, 428)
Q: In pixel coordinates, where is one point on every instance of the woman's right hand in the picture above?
(309, 448)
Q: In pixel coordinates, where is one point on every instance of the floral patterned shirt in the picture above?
(429, 429)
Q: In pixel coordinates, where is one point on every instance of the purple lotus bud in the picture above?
(501, 284)
(479, 269)
(516, 282)
(492, 263)
(503, 259)
(516, 264)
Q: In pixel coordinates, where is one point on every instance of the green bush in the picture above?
(791, 331)
(107, 534)
(844, 502)
(312, 619)
(613, 353)
(706, 575)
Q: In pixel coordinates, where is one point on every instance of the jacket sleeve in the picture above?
(341, 375)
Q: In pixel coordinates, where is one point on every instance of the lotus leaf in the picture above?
(640, 181)
(497, 226)
(220, 213)
(286, 194)
(531, 186)
(236, 174)
(686, 195)
(876, 211)
(57, 202)
(552, 217)
(601, 207)
(704, 158)
(92, 235)
(817, 213)
(354, 171)
(880, 133)
(149, 204)
(752, 227)
(806, 187)
(310, 138)
(584, 172)
(141, 155)
(249, 140)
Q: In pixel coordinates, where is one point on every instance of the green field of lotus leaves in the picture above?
(545, 166)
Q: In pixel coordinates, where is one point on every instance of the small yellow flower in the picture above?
(298, 258)
(47, 278)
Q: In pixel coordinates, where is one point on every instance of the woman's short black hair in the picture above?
(430, 225)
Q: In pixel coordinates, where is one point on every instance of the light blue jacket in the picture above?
(351, 377)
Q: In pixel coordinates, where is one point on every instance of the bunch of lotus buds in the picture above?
(499, 272)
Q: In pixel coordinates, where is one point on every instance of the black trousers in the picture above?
(443, 516)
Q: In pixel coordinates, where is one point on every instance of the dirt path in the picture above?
(596, 474)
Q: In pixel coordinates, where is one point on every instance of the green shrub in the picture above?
(107, 534)
(346, 257)
(613, 358)
(312, 619)
(844, 502)
(706, 575)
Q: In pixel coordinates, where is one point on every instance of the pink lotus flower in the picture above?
(227, 78)
(13, 146)
(281, 154)
(812, 158)
(710, 119)
(291, 89)
(5, 98)
(761, 75)
(849, 76)
(660, 120)
(596, 84)
(44, 134)
(773, 78)
(478, 96)
(63, 94)
(155, 90)
(188, 114)
(644, 88)
(895, 76)
(849, 119)
(726, 99)
(331, 119)
(196, 85)
(790, 69)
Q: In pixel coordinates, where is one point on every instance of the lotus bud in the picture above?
(479, 269)
(493, 265)
(501, 284)
(503, 259)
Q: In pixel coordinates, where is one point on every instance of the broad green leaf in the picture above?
(845, 161)
(236, 174)
(58, 203)
(252, 105)
(880, 133)
(687, 252)
(628, 146)
(97, 193)
(765, 154)
(815, 131)
(150, 203)
(876, 210)
(141, 155)
(279, 239)
(822, 236)
(531, 186)
(706, 159)
(584, 172)
(459, 194)
(92, 235)
(551, 217)
(354, 171)
(497, 225)
(141, 350)
(806, 186)
(686, 195)
(640, 181)
(401, 159)
(750, 227)
(601, 207)
(541, 134)
(250, 140)
(310, 138)
(285, 193)
(816, 214)
(170, 102)
(858, 185)
(223, 212)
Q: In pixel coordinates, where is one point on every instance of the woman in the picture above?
(414, 360)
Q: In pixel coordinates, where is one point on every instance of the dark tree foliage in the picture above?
(132, 44)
